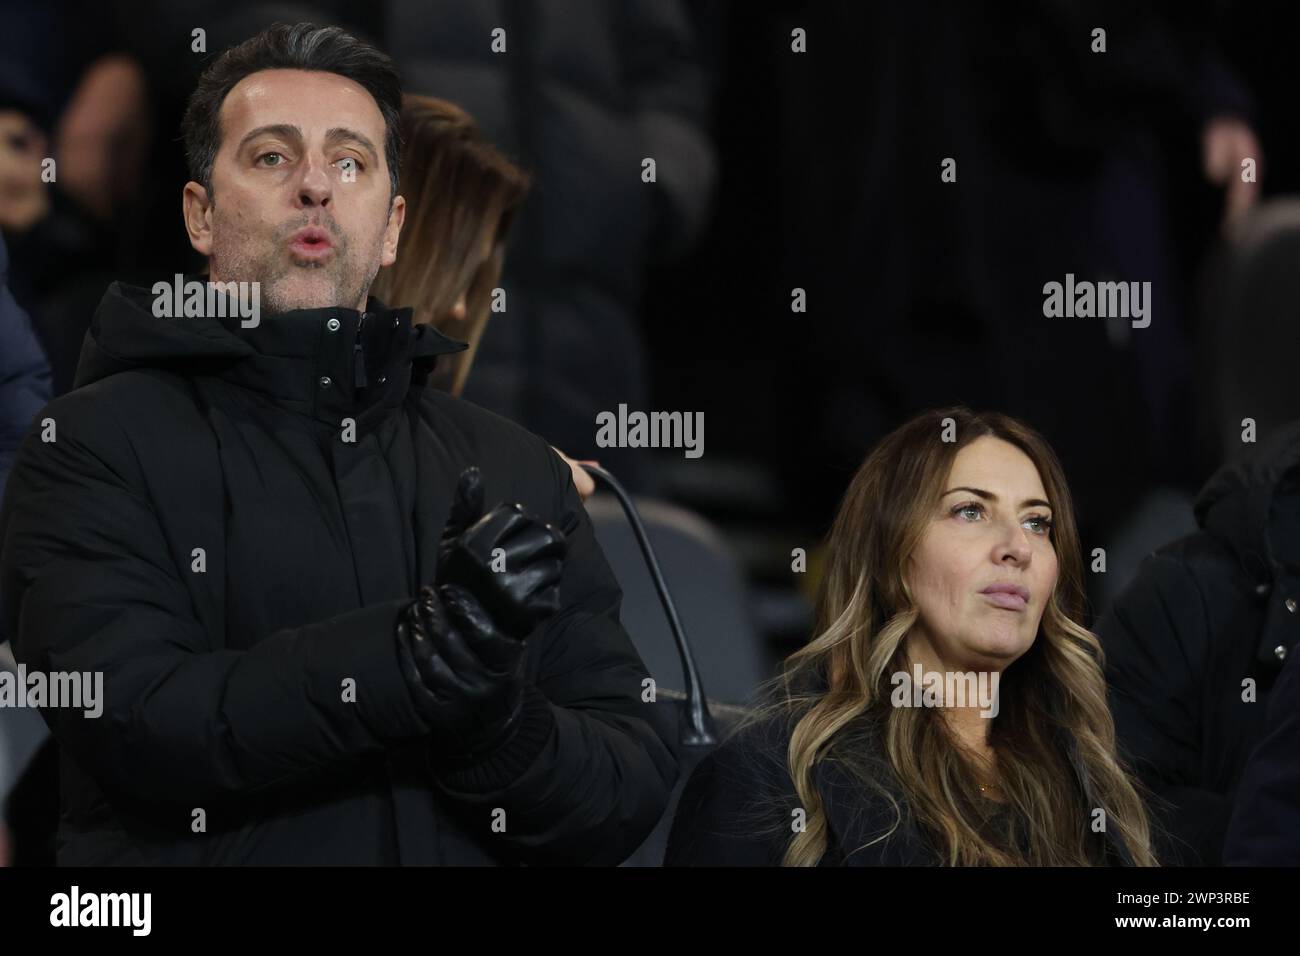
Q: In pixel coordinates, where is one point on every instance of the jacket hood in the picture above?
(127, 332)
(1239, 504)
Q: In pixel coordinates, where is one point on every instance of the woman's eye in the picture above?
(974, 509)
(1041, 524)
(265, 156)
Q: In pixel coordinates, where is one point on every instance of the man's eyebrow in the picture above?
(990, 496)
(283, 130)
(341, 134)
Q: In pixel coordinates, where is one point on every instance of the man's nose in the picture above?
(315, 187)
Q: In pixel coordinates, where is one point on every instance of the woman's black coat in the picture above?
(740, 805)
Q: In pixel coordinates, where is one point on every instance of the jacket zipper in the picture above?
(359, 357)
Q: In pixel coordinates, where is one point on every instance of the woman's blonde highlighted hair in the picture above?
(1053, 720)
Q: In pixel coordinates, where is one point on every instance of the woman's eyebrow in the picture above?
(990, 496)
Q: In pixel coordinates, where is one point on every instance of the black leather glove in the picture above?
(519, 587)
(461, 640)
(467, 676)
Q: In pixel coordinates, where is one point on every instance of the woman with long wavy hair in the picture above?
(950, 708)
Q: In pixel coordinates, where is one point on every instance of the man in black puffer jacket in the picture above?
(1195, 645)
(319, 640)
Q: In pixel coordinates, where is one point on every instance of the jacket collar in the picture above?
(334, 363)
(329, 363)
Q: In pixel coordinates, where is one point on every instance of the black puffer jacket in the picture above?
(1196, 642)
(200, 531)
(1265, 825)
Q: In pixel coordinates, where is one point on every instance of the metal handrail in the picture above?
(698, 730)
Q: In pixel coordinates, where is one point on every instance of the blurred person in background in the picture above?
(1265, 826)
(24, 390)
(1196, 644)
(461, 197)
(75, 136)
(1198, 639)
(70, 132)
(24, 374)
(584, 92)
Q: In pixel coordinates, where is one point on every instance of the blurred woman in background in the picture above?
(462, 196)
(954, 554)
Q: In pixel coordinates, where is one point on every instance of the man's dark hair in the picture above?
(300, 46)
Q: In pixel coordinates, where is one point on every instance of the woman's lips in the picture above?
(1006, 599)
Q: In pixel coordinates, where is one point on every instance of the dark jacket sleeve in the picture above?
(90, 586)
(1265, 825)
(588, 774)
(1155, 639)
(24, 373)
(736, 809)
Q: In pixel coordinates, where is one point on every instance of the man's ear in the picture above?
(396, 216)
(197, 210)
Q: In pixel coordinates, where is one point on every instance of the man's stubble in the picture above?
(234, 259)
